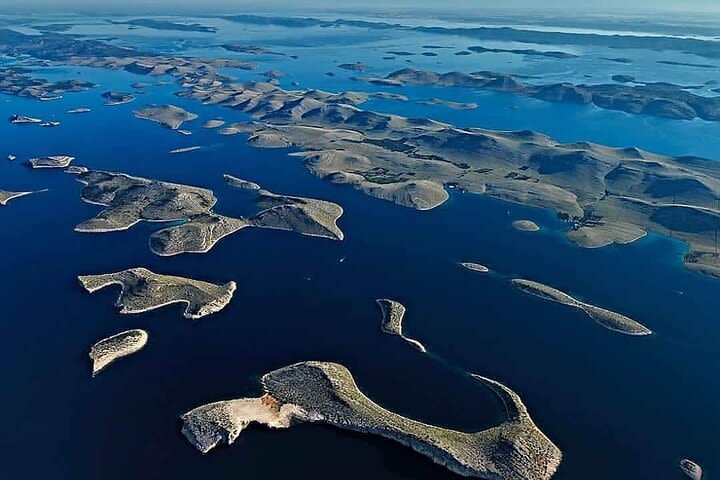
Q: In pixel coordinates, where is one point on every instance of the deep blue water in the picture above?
(618, 407)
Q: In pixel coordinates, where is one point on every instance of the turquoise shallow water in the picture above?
(619, 407)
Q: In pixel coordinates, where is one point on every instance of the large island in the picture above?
(327, 393)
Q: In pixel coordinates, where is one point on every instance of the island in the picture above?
(107, 350)
(143, 290)
(215, 123)
(184, 149)
(691, 469)
(17, 81)
(117, 98)
(169, 116)
(608, 319)
(240, 183)
(449, 104)
(525, 226)
(474, 267)
(129, 200)
(393, 313)
(23, 119)
(327, 393)
(79, 110)
(198, 234)
(355, 67)
(6, 196)
(156, 24)
(51, 161)
(249, 49)
(527, 51)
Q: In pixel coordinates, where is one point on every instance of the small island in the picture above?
(608, 319)
(214, 123)
(393, 313)
(143, 290)
(449, 104)
(117, 98)
(474, 267)
(327, 393)
(107, 350)
(240, 183)
(525, 226)
(691, 469)
(169, 116)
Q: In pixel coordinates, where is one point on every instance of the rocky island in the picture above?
(143, 290)
(393, 313)
(117, 98)
(327, 393)
(6, 196)
(449, 104)
(474, 267)
(169, 116)
(17, 81)
(608, 319)
(107, 350)
(525, 226)
(691, 469)
(51, 161)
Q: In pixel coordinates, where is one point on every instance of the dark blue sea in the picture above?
(619, 407)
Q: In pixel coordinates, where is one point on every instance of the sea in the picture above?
(619, 407)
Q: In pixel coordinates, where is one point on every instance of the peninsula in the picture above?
(107, 350)
(608, 319)
(327, 393)
(393, 313)
(143, 290)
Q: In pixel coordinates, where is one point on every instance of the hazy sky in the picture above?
(237, 5)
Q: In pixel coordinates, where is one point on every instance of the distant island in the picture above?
(657, 99)
(156, 24)
(327, 393)
(143, 290)
(606, 318)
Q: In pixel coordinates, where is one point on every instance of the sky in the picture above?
(239, 5)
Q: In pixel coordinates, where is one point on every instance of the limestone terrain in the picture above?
(608, 319)
(607, 195)
(393, 313)
(107, 350)
(143, 290)
(327, 393)
(168, 116)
